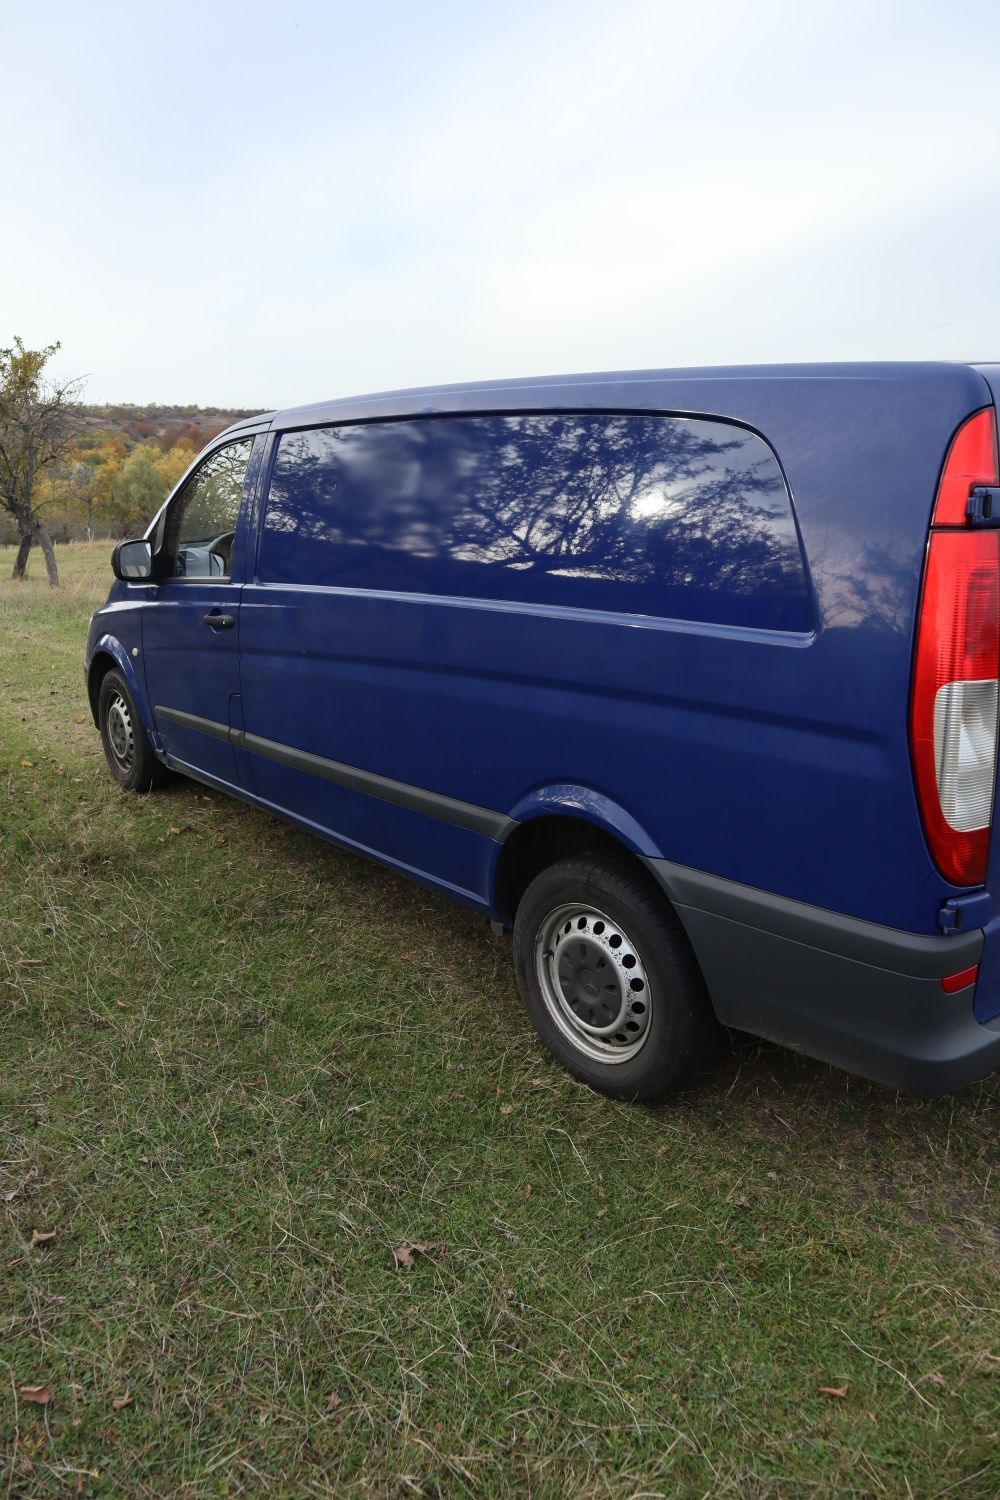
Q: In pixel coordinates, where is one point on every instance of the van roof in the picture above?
(733, 390)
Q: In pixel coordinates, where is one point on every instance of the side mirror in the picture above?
(132, 561)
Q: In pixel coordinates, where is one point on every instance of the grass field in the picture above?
(239, 1067)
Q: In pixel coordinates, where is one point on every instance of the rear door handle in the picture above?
(219, 622)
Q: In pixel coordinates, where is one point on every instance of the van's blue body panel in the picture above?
(778, 761)
(777, 740)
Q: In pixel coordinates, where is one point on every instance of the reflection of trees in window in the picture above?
(647, 515)
(209, 504)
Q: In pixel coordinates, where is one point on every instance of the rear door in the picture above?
(191, 624)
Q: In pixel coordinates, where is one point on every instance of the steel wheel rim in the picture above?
(593, 983)
(121, 736)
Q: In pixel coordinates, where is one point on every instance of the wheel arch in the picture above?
(535, 844)
(102, 663)
(110, 654)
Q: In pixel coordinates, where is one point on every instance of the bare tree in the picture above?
(37, 420)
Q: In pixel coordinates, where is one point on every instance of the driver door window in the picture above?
(202, 522)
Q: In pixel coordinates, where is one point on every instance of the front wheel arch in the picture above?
(102, 664)
(110, 655)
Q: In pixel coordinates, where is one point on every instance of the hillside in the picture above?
(123, 460)
(160, 426)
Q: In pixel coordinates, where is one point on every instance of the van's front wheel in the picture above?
(130, 757)
(609, 981)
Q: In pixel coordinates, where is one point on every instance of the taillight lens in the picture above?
(972, 460)
(957, 667)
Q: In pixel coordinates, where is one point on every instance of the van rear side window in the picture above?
(662, 516)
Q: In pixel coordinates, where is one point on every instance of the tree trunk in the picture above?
(23, 548)
(49, 553)
(30, 532)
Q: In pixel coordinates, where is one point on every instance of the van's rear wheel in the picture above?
(129, 754)
(609, 981)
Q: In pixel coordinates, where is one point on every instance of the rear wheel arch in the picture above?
(534, 845)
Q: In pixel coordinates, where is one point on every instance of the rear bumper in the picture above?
(864, 997)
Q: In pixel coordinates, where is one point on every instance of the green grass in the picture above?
(237, 1067)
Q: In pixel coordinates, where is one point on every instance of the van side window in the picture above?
(662, 516)
(201, 523)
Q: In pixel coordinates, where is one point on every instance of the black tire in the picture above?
(567, 966)
(127, 750)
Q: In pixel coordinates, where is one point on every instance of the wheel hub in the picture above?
(120, 733)
(593, 982)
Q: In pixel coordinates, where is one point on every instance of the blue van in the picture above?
(687, 677)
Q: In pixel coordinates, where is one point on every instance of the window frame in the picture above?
(275, 435)
(160, 526)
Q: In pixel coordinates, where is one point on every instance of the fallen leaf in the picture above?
(773, 1176)
(333, 1402)
(9, 1197)
(41, 1237)
(173, 830)
(39, 1394)
(506, 1109)
(122, 1401)
(79, 719)
(600, 1213)
(527, 1189)
(936, 1378)
(740, 1202)
(11, 1264)
(28, 763)
(405, 1255)
(835, 1392)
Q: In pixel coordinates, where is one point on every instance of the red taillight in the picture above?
(953, 720)
(971, 461)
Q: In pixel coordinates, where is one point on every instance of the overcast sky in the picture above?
(264, 204)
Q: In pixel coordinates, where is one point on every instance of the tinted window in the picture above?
(644, 515)
(202, 520)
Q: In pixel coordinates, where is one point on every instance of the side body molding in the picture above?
(466, 815)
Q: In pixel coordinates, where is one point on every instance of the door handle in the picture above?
(219, 622)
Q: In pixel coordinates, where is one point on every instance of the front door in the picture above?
(190, 635)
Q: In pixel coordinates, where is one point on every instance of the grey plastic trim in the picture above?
(433, 804)
(466, 815)
(214, 730)
(915, 954)
(865, 997)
